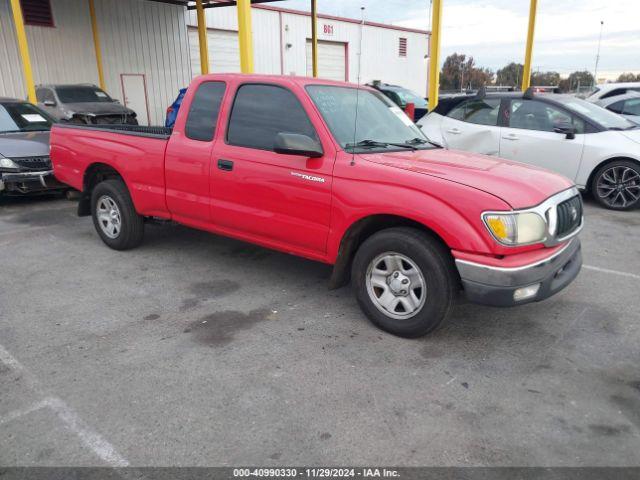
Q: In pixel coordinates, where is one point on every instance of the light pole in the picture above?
(595, 73)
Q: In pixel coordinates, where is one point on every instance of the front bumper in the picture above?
(491, 285)
(29, 182)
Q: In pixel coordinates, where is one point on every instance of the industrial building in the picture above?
(143, 51)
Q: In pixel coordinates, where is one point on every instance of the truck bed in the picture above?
(136, 130)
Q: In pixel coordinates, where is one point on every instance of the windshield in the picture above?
(82, 94)
(407, 96)
(23, 117)
(379, 119)
(601, 116)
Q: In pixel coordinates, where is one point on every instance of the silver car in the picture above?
(25, 166)
(627, 105)
(83, 104)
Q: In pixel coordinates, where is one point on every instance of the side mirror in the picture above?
(49, 103)
(296, 144)
(567, 129)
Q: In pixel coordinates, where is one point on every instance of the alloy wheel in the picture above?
(619, 186)
(109, 217)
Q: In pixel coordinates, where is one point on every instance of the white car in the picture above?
(597, 149)
(607, 90)
(627, 105)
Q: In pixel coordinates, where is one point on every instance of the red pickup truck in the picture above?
(338, 174)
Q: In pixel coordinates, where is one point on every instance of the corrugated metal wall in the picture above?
(137, 37)
(275, 32)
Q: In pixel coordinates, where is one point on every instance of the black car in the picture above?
(25, 166)
(402, 96)
(83, 104)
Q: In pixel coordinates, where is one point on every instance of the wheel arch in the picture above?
(589, 184)
(93, 175)
(362, 229)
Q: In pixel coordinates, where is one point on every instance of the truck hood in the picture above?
(98, 108)
(519, 185)
(24, 144)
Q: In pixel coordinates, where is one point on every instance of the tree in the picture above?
(545, 78)
(577, 81)
(628, 77)
(460, 72)
(510, 75)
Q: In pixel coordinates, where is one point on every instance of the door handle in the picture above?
(226, 165)
(455, 131)
(511, 136)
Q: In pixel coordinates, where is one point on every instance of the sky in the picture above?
(494, 31)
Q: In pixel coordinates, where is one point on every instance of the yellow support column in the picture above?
(96, 43)
(434, 49)
(23, 46)
(245, 36)
(314, 38)
(202, 38)
(526, 74)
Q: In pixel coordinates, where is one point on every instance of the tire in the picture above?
(110, 199)
(412, 310)
(615, 185)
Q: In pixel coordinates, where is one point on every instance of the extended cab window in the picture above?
(479, 111)
(260, 112)
(203, 112)
(536, 115)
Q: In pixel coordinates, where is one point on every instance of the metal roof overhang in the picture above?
(191, 4)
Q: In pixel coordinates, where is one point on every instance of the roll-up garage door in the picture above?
(331, 60)
(224, 52)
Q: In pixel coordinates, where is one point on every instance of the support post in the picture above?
(526, 74)
(202, 38)
(434, 54)
(96, 43)
(245, 36)
(23, 47)
(314, 38)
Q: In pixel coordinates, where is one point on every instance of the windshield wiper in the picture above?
(376, 144)
(422, 141)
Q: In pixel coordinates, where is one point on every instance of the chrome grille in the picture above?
(569, 216)
(33, 163)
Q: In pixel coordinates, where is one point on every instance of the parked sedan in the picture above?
(83, 104)
(627, 105)
(597, 149)
(25, 166)
(402, 96)
(608, 90)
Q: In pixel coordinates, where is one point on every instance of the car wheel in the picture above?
(115, 217)
(404, 281)
(616, 185)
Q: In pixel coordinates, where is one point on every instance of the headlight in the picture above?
(516, 228)
(8, 164)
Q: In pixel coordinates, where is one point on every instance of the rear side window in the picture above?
(613, 93)
(479, 111)
(203, 112)
(617, 107)
(260, 112)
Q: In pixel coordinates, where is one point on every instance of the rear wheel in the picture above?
(404, 281)
(114, 216)
(616, 185)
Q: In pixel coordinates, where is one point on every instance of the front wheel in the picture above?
(115, 216)
(404, 281)
(616, 185)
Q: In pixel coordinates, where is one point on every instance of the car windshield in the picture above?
(601, 116)
(82, 94)
(23, 117)
(407, 96)
(380, 123)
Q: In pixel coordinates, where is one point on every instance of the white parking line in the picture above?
(23, 411)
(103, 449)
(612, 272)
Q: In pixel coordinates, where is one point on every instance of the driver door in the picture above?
(530, 137)
(282, 200)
